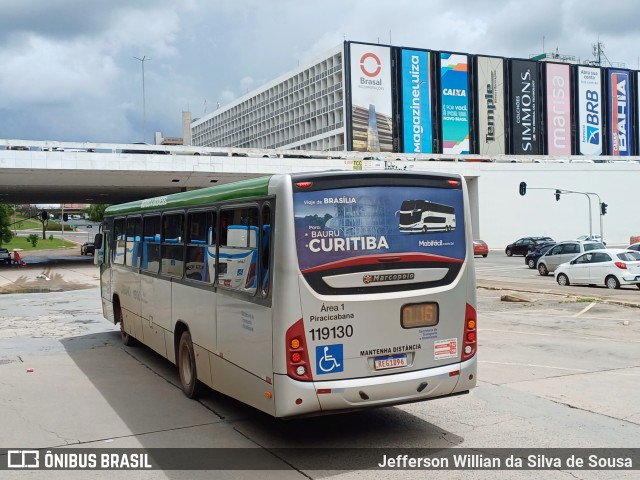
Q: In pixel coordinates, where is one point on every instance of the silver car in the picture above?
(564, 252)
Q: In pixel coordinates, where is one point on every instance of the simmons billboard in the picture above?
(416, 102)
(620, 113)
(525, 116)
(490, 100)
(589, 111)
(371, 90)
(454, 89)
(558, 97)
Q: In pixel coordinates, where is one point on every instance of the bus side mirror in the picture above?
(98, 241)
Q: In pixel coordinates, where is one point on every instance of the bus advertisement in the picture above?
(299, 294)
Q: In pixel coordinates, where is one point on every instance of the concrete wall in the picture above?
(505, 215)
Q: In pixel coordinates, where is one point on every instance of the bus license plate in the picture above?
(391, 361)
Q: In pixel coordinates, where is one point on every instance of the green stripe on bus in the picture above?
(254, 187)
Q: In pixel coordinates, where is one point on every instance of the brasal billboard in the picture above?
(371, 98)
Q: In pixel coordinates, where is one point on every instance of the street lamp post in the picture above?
(144, 107)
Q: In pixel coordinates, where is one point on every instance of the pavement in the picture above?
(50, 271)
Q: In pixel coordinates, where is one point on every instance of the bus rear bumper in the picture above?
(333, 396)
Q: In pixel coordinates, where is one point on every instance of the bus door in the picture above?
(104, 257)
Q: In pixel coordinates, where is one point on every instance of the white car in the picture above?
(634, 246)
(593, 238)
(609, 267)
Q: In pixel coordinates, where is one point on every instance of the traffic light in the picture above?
(65, 217)
(523, 188)
(558, 192)
(603, 208)
(44, 215)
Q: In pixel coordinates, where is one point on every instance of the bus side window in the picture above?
(120, 241)
(265, 254)
(200, 232)
(238, 249)
(132, 250)
(151, 243)
(172, 250)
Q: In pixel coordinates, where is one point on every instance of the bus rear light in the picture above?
(453, 183)
(470, 338)
(621, 265)
(304, 184)
(323, 390)
(297, 355)
(455, 373)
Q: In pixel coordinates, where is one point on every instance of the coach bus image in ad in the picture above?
(298, 294)
(425, 216)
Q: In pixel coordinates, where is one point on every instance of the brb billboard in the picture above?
(558, 99)
(589, 111)
(620, 113)
(416, 102)
(525, 116)
(490, 100)
(371, 93)
(454, 97)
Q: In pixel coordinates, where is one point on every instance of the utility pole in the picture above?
(144, 106)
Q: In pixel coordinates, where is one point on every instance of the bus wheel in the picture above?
(127, 340)
(187, 366)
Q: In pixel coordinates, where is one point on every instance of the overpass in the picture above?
(55, 172)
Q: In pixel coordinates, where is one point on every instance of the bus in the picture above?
(426, 216)
(297, 294)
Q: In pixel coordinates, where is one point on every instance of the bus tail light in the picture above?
(298, 366)
(470, 340)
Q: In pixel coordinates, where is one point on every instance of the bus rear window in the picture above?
(378, 225)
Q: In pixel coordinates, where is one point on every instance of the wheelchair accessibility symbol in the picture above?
(329, 359)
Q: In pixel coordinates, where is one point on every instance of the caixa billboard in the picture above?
(371, 104)
(619, 113)
(417, 128)
(589, 110)
(490, 100)
(524, 107)
(454, 101)
(558, 97)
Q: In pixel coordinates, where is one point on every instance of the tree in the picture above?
(96, 211)
(5, 224)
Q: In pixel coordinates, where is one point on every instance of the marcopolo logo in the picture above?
(370, 64)
(390, 277)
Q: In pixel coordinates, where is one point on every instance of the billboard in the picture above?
(490, 99)
(620, 113)
(371, 104)
(558, 100)
(416, 102)
(454, 96)
(589, 111)
(525, 116)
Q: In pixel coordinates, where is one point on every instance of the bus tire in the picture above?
(127, 340)
(186, 361)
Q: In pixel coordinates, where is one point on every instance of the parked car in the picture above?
(5, 256)
(531, 259)
(609, 267)
(525, 245)
(564, 252)
(594, 238)
(480, 248)
(87, 248)
(634, 246)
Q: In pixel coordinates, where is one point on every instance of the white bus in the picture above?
(426, 216)
(297, 294)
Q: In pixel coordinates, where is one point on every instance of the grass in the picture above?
(48, 244)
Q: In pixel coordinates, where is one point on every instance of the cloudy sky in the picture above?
(68, 72)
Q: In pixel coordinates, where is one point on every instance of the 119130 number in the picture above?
(325, 333)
